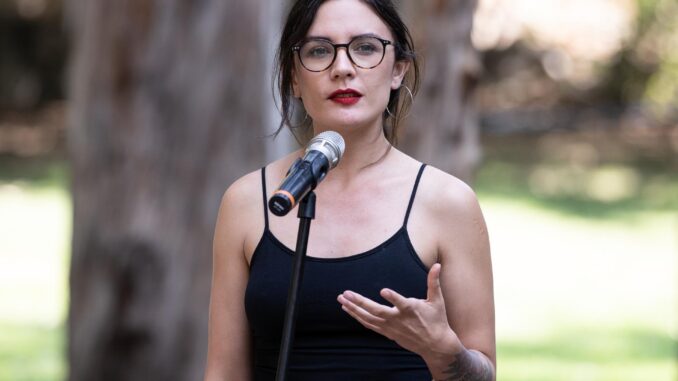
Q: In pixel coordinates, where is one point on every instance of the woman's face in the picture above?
(366, 90)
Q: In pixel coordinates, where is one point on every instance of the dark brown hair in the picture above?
(298, 23)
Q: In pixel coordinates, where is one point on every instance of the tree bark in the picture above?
(443, 128)
(168, 103)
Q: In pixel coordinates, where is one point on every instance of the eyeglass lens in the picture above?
(365, 52)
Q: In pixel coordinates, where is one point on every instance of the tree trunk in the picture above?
(168, 103)
(443, 129)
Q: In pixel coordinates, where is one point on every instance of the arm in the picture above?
(467, 286)
(228, 351)
(453, 329)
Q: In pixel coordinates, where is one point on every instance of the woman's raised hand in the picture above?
(417, 325)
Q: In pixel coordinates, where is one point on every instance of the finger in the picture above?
(360, 320)
(368, 305)
(400, 302)
(434, 292)
(359, 313)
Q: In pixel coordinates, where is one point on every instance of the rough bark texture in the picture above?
(443, 129)
(167, 110)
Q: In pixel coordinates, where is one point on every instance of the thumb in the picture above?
(434, 293)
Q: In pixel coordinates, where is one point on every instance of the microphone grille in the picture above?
(332, 143)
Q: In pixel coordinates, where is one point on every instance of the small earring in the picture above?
(390, 113)
(299, 123)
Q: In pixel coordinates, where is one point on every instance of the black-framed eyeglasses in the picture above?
(365, 52)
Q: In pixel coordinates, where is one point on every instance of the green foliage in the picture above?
(34, 173)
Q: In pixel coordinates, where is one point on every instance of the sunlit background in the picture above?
(579, 186)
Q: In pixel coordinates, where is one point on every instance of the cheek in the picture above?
(307, 82)
(310, 97)
(380, 87)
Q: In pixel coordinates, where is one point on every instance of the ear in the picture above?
(399, 70)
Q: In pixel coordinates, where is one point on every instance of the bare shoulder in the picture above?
(446, 195)
(237, 211)
(453, 211)
(241, 213)
(242, 190)
(247, 190)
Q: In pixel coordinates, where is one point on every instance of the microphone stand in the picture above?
(306, 214)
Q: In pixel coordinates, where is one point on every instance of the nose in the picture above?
(342, 66)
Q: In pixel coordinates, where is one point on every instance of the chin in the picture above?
(346, 125)
(351, 120)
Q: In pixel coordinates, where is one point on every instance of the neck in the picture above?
(364, 148)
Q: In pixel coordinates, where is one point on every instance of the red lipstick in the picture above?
(345, 97)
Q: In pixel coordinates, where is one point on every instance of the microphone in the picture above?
(323, 153)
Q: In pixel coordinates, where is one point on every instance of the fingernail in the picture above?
(348, 295)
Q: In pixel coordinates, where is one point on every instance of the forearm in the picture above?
(453, 362)
(468, 365)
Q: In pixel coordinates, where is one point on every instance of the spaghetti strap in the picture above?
(414, 192)
(263, 188)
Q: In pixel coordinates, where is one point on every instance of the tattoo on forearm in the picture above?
(469, 366)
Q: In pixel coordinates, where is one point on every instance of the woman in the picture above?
(398, 281)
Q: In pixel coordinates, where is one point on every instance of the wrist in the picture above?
(439, 354)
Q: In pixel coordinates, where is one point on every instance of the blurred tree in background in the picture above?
(548, 57)
(443, 129)
(33, 51)
(576, 84)
(33, 54)
(167, 108)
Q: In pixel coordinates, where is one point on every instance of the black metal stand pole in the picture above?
(306, 214)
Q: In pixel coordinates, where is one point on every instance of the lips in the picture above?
(345, 96)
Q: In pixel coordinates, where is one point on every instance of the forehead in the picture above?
(340, 20)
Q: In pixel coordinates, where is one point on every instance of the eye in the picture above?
(366, 46)
(316, 50)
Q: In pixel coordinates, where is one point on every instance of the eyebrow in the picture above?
(351, 38)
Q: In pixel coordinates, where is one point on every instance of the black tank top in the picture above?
(329, 344)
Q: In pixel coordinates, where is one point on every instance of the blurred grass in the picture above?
(582, 299)
(585, 354)
(31, 352)
(584, 230)
(585, 282)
